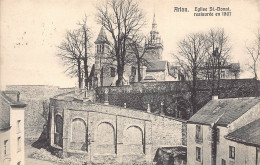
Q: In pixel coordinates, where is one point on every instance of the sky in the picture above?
(31, 30)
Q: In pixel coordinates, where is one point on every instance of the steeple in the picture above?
(154, 43)
(154, 25)
(102, 37)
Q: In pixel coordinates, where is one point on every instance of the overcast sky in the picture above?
(31, 30)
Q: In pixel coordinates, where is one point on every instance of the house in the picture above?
(246, 142)
(227, 71)
(11, 129)
(212, 131)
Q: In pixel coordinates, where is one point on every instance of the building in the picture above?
(227, 71)
(246, 142)
(105, 68)
(213, 133)
(105, 133)
(11, 129)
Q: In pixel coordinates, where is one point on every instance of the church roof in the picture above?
(157, 66)
(102, 37)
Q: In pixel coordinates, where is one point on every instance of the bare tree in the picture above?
(74, 50)
(191, 53)
(71, 52)
(87, 35)
(137, 48)
(254, 53)
(217, 57)
(121, 18)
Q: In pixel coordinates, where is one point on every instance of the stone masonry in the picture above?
(105, 133)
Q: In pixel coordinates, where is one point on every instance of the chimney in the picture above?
(106, 97)
(215, 97)
(162, 109)
(148, 108)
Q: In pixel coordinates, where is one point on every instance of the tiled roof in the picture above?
(248, 134)
(223, 111)
(156, 66)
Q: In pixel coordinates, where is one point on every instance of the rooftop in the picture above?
(248, 134)
(223, 111)
(102, 37)
(8, 99)
(156, 66)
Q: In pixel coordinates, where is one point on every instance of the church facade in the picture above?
(104, 71)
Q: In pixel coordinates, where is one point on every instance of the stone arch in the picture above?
(58, 130)
(134, 139)
(79, 134)
(105, 138)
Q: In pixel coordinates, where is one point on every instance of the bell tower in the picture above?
(153, 44)
(101, 49)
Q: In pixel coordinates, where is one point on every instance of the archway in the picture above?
(78, 134)
(105, 138)
(134, 140)
(58, 130)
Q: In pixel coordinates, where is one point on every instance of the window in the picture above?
(133, 71)
(102, 48)
(222, 75)
(5, 147)
(18, 144)
(231, 152)
(98, 48)
(198, 154)
(113, 72)
(18, 126)
(198, 137)
(223, 162)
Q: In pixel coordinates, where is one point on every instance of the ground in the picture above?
(29, 151)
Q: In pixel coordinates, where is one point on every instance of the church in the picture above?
(104, 71)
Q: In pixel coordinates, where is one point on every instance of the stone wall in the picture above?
(36, 97)
(113, 133)
(138, 95)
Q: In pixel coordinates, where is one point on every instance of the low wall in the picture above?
(114, 133)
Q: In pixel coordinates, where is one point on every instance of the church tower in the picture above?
(101, 49)
(154, 44)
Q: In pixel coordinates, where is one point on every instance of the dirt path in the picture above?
(29, 150)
